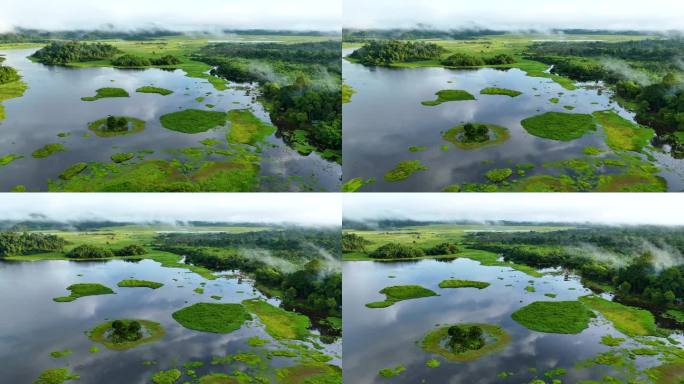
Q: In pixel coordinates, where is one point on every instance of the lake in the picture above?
(53, 105)
(383, 338)
(34, 325)
(385, 117)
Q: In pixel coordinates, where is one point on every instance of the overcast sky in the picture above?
(518, 14)
(602, 208)
(295, 208)
(172, 14)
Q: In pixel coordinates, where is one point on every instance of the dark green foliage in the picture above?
(462, 339)
(131, 250)
(166, 60)
(352, 242)
(354, 35)
(115, 124)
(463, 60)
(25, 35)
(123, 332)
(475, 133)
(385, 52)
(8, 75)
(442, 249)
(63, 52)
(396, 251)
(14, 243)
(131, 61)
(87, 251)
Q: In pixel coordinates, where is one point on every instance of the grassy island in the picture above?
(500, 91)
(212, 317)
(121, 157)
(120, 126)
(446, 95)
(455, 283)
(403, 170)
(494, 336)
(134, 283)
(7, 159)
(47, 150)
(313, 373)
(568, 317)
(559, 126)
(125, 334)
(397, 293)
(107, 92)
(628, 320)
(82, 290)
(622, 134)
(353, 185)
(494, 135)
(280, 324)
(245, 128)
(56, 376)
(167, 377)
(193, 120)
(151, 89)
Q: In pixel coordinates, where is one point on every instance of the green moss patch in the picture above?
(60, 354)
(166, 377)
(498, 175)
(568, 317)
(622, 134)
(151, 331)
(559, 125)
(403, 170)
(628, 320)
(107, 92)
(399, 293)
(432, 363)
(245, 128)
(212, 317)
(500, 91)
(5, 160)
(454, 283)
(313, 373)
(56, 376)
(668, 373)
(611, 341)
(280, 324)
(355, 184)
(631, 182)
(100, 127)
(392, 372)
(347, 93)
(121, 157)
(497, 135)
(417, 148)
(446, 95)
(495, 336)
(72, 171)
(47, 150)
(150, 89)
(193, 120)
(82, 290)
(134, 283)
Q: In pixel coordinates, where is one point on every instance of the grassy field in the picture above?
(567, 317)
(192, 120)
(628, 320)
(559, 126)
(212, 317)
(280, 324)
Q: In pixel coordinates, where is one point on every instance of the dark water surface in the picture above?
(385, 117)
(52, 105)
(382, 338)
(33, 325)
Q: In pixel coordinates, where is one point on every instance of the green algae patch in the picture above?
(133, 125)
(11, 90)
(72, 171)
(47, 150)
(554, 100)
(166, 377)
(498, 175)
(312, 373)
(456, 135)
(559, 126)
(591, 151)
(256, 341)
(121, 157)
(397, 293)
(417, 148)
(212, 317)
(357, 183)
(569, 317)
(107, 92)
(454, 283)
(446, 95)
(432, 363)
(631, 182)
(280, 324)
(218, 378)
(193, 120)
(628, 320)
(530, 288)
(7, 159)
(347, 93)
(135, 283)
(612, 341)
(622, 134)
(392, 372)
(403, 170)
(496, 339)
(500, 91)
(60, 354)
(56, 376)
(245, 128)
(151, 89)
(82, 290)
(102, 333)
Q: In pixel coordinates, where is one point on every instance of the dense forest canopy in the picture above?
(385, 52)
(62, 52)
(15, 243)
(23, 35)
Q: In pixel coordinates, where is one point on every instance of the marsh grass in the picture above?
(446, 95)
(397, 293)
(245, 128)
(135, 283)
(193, 120)
(559, 126)
(455, 283)
(500, 91)
(82, 290)
(151, 89)
(105, 93)
(212, 317)
(403, 170)
(280, 324)
(569, 317)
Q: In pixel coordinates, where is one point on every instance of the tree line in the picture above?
(63, 52)
(386, 52)
(16, 244)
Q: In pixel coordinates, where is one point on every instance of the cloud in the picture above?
(514, 15)
(600, 208)
(172, 14)
(288, 208)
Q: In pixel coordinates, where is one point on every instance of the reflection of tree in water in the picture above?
(462, 339)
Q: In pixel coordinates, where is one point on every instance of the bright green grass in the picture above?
(56, 376)
(403, 170)
(7, 159)
(107, 92)
(628, 320)
(498, 175)
(455, 283)
(47, 150)
(82, 290)
(545, 183)
(10, 91)
(497, 135)
(135, 283)
(674, 314)
(280, 324)
(497, 339)
(310, 372)
(622, 134)
(392, 372)
(591, 151)
(212, 317)
(554, 100)
(166, 377)
(347, 93)
(399, 293)
(98, 126)
(631, 182)
(245, 128)
(121, 157)
(554, 316)
(151, 89)
(446, 95)
(559, 125)
(355, 184)
(500, 91)
(153, 331)
(193, 120)
(432, 363)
